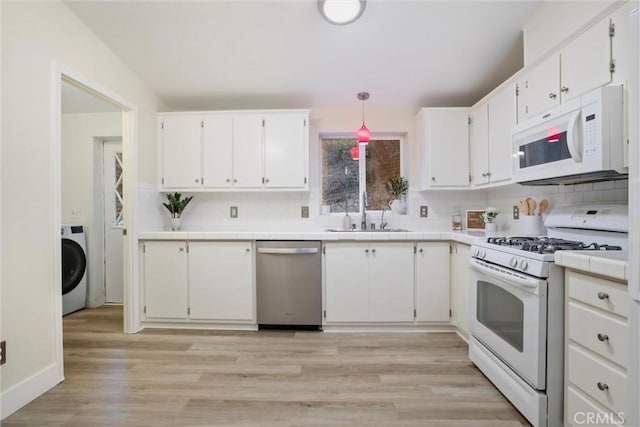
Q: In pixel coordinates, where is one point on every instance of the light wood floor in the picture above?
(266, 378)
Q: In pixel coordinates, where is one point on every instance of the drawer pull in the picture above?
(603, 337)
(603, 386)
(603, 296)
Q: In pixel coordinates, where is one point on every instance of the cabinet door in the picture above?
(347, 282)
(221, 281)
(181, 138)
(448, 140)
(165, 280)
(479, 146)
(247, 151)
(460, 287)
(585, 61)
(217, 151)
(432, 282)
(542, 85)
(392, 278)
(285, 141)
(502, 117)
(521, 99)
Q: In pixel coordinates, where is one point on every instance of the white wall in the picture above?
(81, 146)
(34, 35)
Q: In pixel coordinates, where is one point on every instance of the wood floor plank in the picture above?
(162, 377)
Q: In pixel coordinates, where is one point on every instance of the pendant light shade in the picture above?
(355, 152)
(363, 133)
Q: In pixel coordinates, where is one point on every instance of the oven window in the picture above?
(545, 150)
(501, 312)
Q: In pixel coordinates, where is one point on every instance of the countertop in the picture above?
(465, 237)
(613, 264)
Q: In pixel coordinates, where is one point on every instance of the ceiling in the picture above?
(237, 54)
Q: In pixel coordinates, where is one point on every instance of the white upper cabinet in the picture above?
(443, 147)
(222, 151)
(502, 117)
(285, 154)
(583, 64)
(180, 138)
(479, 145)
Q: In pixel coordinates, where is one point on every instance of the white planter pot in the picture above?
(176, 223)
(490, 227)
(397, 207)
(346, 222)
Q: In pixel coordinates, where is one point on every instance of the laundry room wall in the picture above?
(36, 36)
(82, 136)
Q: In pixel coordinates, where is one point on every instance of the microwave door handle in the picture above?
(573, 140)
(527, 284)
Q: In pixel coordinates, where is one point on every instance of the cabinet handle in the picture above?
(602, 337)
(603, 296)
(564, 89)
(552, 95)
(603, 386)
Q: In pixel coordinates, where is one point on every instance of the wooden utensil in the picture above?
(544, 205)
(524, 207)
(532, 206)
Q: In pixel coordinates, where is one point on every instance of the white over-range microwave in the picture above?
(578, 141)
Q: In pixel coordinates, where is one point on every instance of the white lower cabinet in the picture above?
(432, 281)
(198, 281)
(165, 280)
(392, 282)
(220, 281)
(460, 255)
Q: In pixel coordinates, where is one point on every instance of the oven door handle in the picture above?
(530, 283)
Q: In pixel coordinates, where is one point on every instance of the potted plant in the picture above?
(489, 216)
(175, 205)
(397, 187)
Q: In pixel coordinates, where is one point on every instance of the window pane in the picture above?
(340, 175)
(383, 162)
(117, 190)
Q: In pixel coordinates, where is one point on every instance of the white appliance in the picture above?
(516, 299)
(578, 141)
(74, 268)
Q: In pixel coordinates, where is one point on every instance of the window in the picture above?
(117, 190)
(344, 179)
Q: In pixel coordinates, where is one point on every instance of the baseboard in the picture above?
(29, 389)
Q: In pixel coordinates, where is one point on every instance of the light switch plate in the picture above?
(304, 212)
(516, 212)
(424, 211)
(233, 212)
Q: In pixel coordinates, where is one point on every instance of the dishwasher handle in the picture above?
(288, 251)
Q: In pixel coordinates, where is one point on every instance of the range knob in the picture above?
(523, 264)
(484, 254)
(476, 251)
(513, 262)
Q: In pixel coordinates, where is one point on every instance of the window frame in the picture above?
(362, 162)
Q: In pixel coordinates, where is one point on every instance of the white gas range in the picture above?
(516, 298)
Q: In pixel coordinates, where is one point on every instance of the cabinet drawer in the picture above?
(601, 293)
(601, 333)
(583, 411)
(590, 374)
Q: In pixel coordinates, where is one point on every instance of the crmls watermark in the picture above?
(598, 418)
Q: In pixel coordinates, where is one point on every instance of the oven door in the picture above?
(509, 316)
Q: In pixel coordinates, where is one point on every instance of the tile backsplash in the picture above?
(281, 211)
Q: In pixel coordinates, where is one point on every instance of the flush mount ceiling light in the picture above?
(341, 12)
(363, 133)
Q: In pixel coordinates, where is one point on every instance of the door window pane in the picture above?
(340, 176)
(118, 199)
(501, 312)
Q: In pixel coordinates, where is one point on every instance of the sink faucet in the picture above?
(363, 223)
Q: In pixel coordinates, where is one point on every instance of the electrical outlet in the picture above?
(3, 352)
(424, 211)
(304, 212)
(516, 212)
(75, 213)
(233, 212)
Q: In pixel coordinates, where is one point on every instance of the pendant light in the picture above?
(363, 132)
(355, 152)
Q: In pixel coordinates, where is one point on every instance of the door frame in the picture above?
(59, 74)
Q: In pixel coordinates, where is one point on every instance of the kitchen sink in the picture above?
(377, 230)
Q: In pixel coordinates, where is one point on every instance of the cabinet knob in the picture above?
(484, 174)
(552, 95)
(228, 180)
(366, 251)
(489, 174)
(603, 386)
(603, 337)
(433, 178)
(564, 89)
(197, 180)
(266, 180)
(603, 296)
(248, 250)
(235, 180)
(373, 251)
(421, 250)
(181, 249)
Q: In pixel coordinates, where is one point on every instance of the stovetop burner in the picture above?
(548, 245)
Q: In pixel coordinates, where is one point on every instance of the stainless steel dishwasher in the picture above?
(289, 284)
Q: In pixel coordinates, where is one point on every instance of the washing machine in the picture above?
(74, 268)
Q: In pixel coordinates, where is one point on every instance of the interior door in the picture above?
(113, 205)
